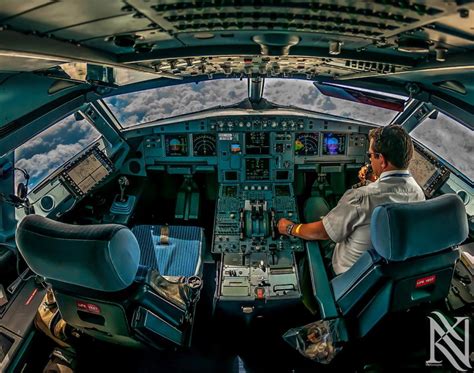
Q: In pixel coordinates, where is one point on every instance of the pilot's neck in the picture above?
(393, 172)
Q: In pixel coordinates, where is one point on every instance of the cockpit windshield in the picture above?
(303, 94)
(165, 102)
(48, 150)
(450, 140)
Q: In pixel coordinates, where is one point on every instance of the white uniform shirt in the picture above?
(348, 224)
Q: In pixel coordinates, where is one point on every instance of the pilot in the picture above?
(332, 145)
(348, 224)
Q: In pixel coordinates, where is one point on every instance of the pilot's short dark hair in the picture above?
(394, 143)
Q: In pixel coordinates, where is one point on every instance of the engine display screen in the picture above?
(334, 143)
(176, 145)
(86, 172)
(257, 169)
(257, 143)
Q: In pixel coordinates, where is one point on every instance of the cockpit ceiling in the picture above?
(187, 38)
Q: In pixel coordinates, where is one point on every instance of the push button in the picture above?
(260, 293)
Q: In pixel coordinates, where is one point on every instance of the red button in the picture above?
(260, 293)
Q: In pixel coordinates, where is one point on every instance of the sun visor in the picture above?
(363, 97)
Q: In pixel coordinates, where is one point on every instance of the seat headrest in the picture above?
(403, 230)
(100, 257)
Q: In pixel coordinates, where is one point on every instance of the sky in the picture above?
(59, 143)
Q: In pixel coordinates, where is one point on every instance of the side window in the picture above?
(450, 140)
(48, 150)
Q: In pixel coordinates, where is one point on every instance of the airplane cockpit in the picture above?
(143, 176)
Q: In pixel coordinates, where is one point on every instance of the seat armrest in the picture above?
(321, 287)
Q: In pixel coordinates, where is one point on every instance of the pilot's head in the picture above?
(390, 148)
(332, 144)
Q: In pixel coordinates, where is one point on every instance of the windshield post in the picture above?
(255, 89)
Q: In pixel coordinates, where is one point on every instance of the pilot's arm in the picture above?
(336, 225)
(310, 231)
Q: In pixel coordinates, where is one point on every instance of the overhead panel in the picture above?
(270, 66)
(361, 19)
(340, 39)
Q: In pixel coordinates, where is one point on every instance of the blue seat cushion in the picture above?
(180, 257)
(400, 231)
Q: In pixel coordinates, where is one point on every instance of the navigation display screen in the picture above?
(428, 172)
(307, 143)
(334, 143)
(176, 145)
(88, 171)
(257, 169)
(257, 143)
(421, 169)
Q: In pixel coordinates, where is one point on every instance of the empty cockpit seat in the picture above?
(100, 287)
(172, 250)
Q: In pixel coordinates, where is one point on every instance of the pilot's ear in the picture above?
(383, 161)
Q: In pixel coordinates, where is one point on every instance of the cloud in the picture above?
(145, 106)
(154, 104)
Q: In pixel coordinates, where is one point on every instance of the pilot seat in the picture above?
(412, 262)
(102, 289)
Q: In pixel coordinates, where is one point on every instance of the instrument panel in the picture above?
(251, 148)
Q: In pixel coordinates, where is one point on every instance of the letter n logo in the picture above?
(442, 338)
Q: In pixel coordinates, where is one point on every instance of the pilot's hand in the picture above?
(363, 173)
(282, 224)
